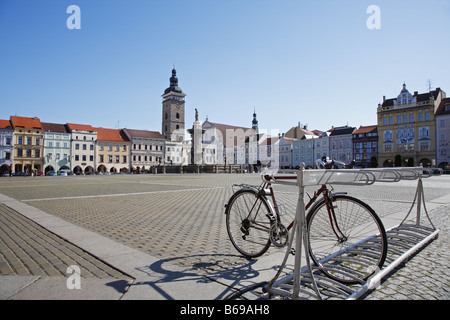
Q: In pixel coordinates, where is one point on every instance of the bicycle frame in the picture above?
(323, 190)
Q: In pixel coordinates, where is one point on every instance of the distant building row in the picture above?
(414, 127)
(28, 145)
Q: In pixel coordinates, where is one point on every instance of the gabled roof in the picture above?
(54, 127)
(80, 127)
(297, 132)
(441, 110)
(342, 130)
(5, 124)
(144, 134)
(25, 122)
(111, 135)
(366, 129)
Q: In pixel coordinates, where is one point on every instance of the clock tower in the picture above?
(173, 111)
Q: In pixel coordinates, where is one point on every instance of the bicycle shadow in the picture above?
(231, 271)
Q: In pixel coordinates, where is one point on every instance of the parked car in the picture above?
(51, 173)
(40, 173)
(64, 172)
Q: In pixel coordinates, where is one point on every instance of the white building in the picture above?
(57, 148)
(147, 149)
(83, 148)
(6, 146)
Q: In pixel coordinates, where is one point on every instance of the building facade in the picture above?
(6, 147)
(56, 154)
(341, 144)
(365, 145)
(83, 148)
(113, 151)
(146, 149)
(28, 145)
(443, 135)
(407, 128)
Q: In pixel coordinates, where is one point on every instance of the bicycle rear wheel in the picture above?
(248, 222)
(352, 248)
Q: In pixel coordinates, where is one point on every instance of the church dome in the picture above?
(173, 83)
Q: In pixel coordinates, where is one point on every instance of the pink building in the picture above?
(443, 135)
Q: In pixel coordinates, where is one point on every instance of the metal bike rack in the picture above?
(403, 240)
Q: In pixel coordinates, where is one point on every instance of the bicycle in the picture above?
(345, 235)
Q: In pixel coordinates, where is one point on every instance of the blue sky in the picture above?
(313, 62)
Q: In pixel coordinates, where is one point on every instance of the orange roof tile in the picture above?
(25, 122)
(5, 124)
(365, 129)
(111, 135)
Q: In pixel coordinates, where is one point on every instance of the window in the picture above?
(124, 158)
(77, 157)
(420, 117)
(84, 146)
(101, 147)
(91, 147)
(50, 156)
(117, 148)
(19, 152)
(50, 144)
(110, 159)
(29, 140)
(38, 141)
(84, 157)
(117, 159)
(427, 116)
(29, 153)
(91, 158)
(101, 158)
(57, 156)
(77, 146)
(8, 156)
(411, 117)
(110, 147)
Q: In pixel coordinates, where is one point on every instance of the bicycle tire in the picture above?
(250, 236)
(360, 253)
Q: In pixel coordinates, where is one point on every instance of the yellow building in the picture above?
(28, 145)
(406, 127)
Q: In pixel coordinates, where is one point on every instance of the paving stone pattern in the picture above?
(180, 219)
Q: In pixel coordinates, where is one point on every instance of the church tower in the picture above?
(255, 122)
(173, 111)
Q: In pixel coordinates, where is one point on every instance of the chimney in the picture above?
(384, 99)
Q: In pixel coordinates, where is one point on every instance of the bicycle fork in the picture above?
(341, 238)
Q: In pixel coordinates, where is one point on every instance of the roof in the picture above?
(420, 97)
(80, 127)
(54, 127)
(338, 131)
(444, 107)
(25, 122)
(144, 134)
(5, 124)
(297, 132)
(366, 129)
(111, 135)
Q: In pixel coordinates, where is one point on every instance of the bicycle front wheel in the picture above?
(248, 222)
(350, 247)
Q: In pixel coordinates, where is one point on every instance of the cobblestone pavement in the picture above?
(179, 218)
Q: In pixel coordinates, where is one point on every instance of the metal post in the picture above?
(300, 216)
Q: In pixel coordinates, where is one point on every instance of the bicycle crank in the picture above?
(279, 235)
